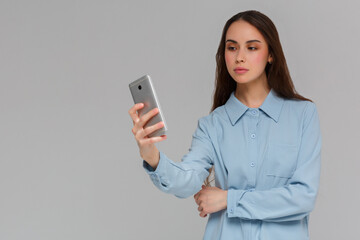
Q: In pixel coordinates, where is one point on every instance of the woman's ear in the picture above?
(270, 59)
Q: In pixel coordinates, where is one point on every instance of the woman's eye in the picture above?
(231, 48)
(252, 48)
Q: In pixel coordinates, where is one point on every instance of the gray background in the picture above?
(69, 165)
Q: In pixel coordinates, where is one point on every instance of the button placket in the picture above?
(253, 145)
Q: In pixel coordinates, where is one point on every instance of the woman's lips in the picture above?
(241, 70)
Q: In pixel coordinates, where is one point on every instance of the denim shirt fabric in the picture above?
(268, 158)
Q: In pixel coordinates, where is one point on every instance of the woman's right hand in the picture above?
(148, 150)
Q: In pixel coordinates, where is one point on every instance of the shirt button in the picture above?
(231, 210)
(252, 164)
(253, 135)
(254, 112)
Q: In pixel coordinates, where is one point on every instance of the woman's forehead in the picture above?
(242, 31)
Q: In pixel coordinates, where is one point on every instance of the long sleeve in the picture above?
(185, 178)
(295, 200)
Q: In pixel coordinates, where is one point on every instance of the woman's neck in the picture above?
(252, 94)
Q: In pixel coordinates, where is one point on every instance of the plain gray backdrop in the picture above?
(69, 165)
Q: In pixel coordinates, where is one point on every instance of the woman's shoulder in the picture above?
(214, 117)
(301, 105)
(303, 109)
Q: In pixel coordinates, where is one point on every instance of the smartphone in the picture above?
(143, 91)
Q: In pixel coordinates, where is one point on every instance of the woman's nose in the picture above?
(240, 57)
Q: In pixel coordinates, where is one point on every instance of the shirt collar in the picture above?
(272, 106)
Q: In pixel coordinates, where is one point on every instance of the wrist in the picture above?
(225, 198)
(153, 158)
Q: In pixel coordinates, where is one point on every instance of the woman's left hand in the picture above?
(210, 200)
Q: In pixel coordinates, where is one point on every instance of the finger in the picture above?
(196, 201)
(196, 196)
(146, 131)
(146, 117)
(132, 111)
(202, 214)
(147, 141)
(140, 122)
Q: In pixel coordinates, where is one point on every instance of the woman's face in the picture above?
(245, 47)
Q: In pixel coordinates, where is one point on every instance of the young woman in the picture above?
(262, 139)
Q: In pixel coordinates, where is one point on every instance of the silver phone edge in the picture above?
(157, 103)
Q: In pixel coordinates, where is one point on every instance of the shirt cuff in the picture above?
(150, 170)
(147, 167)
(158, 175)
(235, 207)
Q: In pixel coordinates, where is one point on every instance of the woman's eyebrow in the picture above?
(250, 41)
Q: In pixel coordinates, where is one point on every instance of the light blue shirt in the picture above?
(268, 158)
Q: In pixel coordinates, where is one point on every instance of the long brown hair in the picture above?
(278, 76)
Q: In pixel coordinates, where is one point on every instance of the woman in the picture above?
(262, 139)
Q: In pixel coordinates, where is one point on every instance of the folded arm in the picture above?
(295, 200)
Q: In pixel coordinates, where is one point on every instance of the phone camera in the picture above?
(139, 87)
